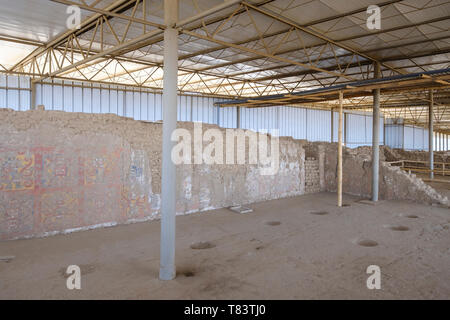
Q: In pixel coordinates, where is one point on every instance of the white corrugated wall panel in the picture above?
(228, 117)
(318, 125)
(425, 139)
(13, 99)
(389, 136)
(355, 130)
(67, 98)
(136, 106)
(292, 122)
(77, 99)
(336, 126)
(184, 108)
(158, 106)
(3, 98)
(87, 99)
(144, 106)
(270, 119)
(120, 102)
(96, 100)
(105, 104)
(58, 99)
(381, 130)
(3, 91)
(25, 95)
(394, 136)
(129, 103)
(369, 130)
(15, 92)
(47, 96)
(13, 95)
(408, 138)
(247, 118)
(418, 138)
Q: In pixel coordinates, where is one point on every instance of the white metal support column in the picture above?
(438, 145)
(430, 134)
(339, 186)
(168, 187)
(376, 137)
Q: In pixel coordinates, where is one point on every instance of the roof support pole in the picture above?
(430, 133)
(438, 146)
(376, 137)
(339, 186)
(168, 193)
(33, 95)
(332, 125)
(238, 117)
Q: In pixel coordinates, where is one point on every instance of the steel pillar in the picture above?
(376, 137)
(430, 134)
(168, 183)
(339, 186)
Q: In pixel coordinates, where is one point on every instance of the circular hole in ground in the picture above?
(412, 216)
(273, 223)
(398, 228)
(188, 274)
(202, 245)
(319, 213)
(367, 243)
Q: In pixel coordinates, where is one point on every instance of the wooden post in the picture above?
(339, 186)
(332, 125)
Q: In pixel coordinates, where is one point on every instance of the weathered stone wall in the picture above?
(399, 154)
(312, 179)
(395, 184)
(62, 172)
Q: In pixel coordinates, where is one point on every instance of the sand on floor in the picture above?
(297, 248)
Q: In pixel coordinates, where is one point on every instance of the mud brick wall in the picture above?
(395, 184)
(399, 154)
(312, 178)
(63, 172)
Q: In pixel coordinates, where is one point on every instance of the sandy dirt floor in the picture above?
(297, 248)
